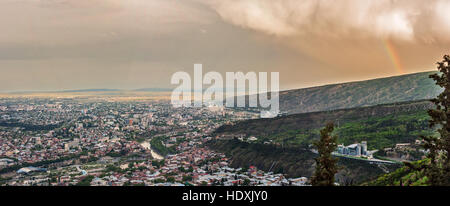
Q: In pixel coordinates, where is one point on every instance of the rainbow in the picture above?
(393, 55)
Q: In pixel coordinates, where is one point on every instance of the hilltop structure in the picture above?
(357, 149)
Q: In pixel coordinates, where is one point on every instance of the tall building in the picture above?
(356, 149)
(364, 147)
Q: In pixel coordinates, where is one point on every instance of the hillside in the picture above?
(404, 176)
(293, 161)
(403, 88)
(381, 126)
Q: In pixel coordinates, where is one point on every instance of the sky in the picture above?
(48, 45)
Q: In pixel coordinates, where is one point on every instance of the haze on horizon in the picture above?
(83, 44)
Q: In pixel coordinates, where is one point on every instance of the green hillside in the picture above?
(381, 126)
(404, 176)
(382, 112)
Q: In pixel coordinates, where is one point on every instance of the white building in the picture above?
(358, 149)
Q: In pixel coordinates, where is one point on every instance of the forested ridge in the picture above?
(381, 126)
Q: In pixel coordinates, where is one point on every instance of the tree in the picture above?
(86, 181)
(438, 171)
(246, 182)
(326, 166)
(170, 179)
(187, 178)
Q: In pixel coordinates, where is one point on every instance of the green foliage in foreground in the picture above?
(405, 176)
(438, 171)
(326, 167)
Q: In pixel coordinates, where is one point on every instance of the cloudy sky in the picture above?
(130, 44)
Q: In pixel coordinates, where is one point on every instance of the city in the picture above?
(224, 101)
(83, 141)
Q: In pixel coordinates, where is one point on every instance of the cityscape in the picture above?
(57, 142)
(224, 99)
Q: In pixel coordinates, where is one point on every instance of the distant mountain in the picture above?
(97, 90)
(89, 90)
(67, 91)
(153, 90)
(410, 87)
